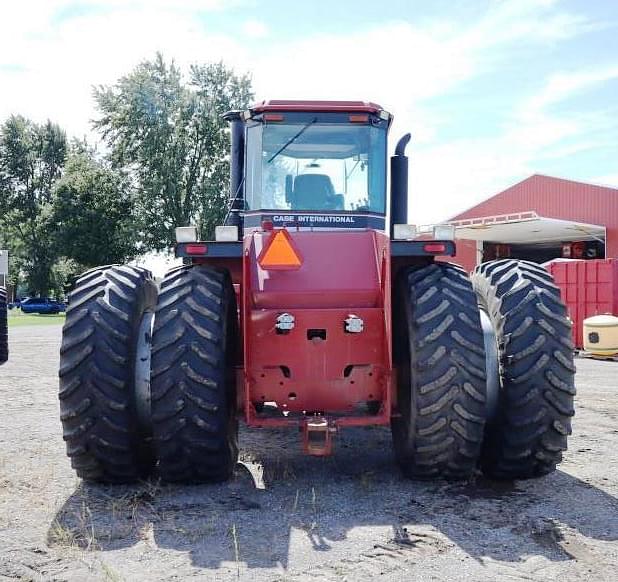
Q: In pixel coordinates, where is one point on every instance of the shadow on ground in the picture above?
(278, 491)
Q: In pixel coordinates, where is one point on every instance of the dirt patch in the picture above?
(290, 517)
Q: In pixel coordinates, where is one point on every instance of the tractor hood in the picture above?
(337, 269)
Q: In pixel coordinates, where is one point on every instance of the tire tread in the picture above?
(193, 392)
(97, 407)
(438, 341)
(536, 365)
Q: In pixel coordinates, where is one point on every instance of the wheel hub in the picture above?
(492, 365)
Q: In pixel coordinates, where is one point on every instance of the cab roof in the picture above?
(317, 106)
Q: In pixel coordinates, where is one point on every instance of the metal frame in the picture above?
(215, 249)
(415, 248)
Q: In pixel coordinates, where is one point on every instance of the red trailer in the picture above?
(588, 288)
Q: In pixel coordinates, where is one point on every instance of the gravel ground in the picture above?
(290, 517)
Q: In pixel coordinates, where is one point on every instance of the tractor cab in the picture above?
(310, 165)
(316, 162)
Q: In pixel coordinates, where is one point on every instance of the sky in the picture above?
(492, 91)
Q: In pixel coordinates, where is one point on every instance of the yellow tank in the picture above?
(601, 335)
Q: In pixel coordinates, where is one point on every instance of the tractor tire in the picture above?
(440, 358)
(529, 431)
(98, 407)
(194, 349)
(4, 332)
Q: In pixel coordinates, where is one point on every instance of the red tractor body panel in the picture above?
(338, 270)
(318, 366)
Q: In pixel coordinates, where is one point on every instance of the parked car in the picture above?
(42, 305)
(15, 304)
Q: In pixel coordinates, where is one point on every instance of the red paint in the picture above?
(551, 198)
(317, 367)
(588, 288)
(342, 274)
(340, 269)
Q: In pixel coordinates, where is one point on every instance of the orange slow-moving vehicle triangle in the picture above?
(279, 253)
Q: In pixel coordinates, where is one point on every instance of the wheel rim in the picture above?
(492, 368)
(143, 350)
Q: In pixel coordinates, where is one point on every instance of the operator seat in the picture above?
(313, 192)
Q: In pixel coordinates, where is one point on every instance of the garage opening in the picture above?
(532, 237)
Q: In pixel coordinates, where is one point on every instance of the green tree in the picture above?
(171, 136)
(31, 159)
(93, 211)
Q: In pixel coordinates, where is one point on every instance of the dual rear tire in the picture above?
(447, 423)
(98, 404)
(528, 433)
(186, 430)
(193, 387)
(440, 360)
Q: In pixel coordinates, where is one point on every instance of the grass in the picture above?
(18, 319)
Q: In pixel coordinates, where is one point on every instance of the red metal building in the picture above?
(539, 219)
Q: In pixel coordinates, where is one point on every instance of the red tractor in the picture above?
(311, 311)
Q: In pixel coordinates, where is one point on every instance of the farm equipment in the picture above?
(4, 336)
(311, 311)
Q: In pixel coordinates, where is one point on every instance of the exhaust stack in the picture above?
(237, 160)
(399, 183)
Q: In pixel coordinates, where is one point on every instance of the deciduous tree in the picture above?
(93, 211)
(170, 135)
(31, 159)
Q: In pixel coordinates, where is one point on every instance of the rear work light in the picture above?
(444, 232)
(186, 234)
(196, 249)
(226, 233)
(434, 248)
(404, 231)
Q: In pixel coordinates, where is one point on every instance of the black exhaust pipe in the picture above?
(237, 161)
(399, 183)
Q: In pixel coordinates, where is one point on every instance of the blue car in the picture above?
(42, 305)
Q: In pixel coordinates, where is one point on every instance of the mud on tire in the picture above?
(4, 336)
(192, 376)
(440, 357)
(97, 374)
(535, 401)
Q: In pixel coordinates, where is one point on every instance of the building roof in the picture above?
(525, 227)
(553, 198)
